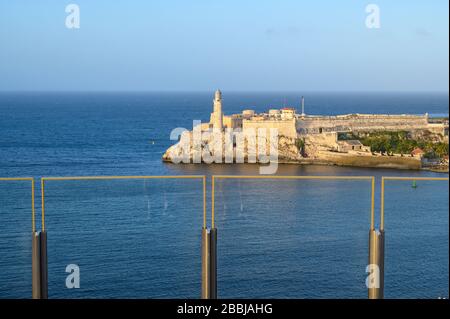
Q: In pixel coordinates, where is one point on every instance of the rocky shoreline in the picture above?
(289, 152)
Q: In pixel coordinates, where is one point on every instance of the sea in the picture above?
(141, 238)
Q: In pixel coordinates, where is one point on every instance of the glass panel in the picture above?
(15, 239)
(416, 225)
(292, 238)
(130, 238)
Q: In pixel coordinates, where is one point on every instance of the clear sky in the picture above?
(235, 45)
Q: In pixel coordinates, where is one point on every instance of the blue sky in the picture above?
(200, 45)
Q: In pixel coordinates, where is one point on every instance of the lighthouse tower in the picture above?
(303, 107)
(217, 115)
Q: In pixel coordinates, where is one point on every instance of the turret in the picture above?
(218, 95)
(217, 116)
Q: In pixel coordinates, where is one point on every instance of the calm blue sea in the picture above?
(141, 238)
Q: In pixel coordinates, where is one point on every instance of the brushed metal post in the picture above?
(35, 266)
(205, 264)
(381, 263)
(376, 258)
(44, 265)
(213, 263)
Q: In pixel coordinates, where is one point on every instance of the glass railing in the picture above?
(136, 237)
(16, 212)
(274, 236)
(416, 250)
(293, 236)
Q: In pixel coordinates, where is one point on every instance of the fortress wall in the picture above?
(438, 128)
(363, 122)
(325, 139)
(318, 142)
(285, 127)
(232, 122)
(345, 159)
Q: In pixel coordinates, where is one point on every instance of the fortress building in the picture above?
(320, 135)
(293, 125)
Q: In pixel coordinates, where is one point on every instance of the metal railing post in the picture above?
(381, 264)
(205, 264)
(376, 264)
(39, 272)
(213, 263)
(44, 265)
(35, 266)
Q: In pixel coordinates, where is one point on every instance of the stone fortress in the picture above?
(291, 124)
(320, 133)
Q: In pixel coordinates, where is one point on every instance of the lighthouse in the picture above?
(217, 115)
(303, 107)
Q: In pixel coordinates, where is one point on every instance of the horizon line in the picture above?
(230, 91)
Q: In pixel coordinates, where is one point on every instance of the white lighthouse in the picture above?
(303, 107)
(217, 115)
